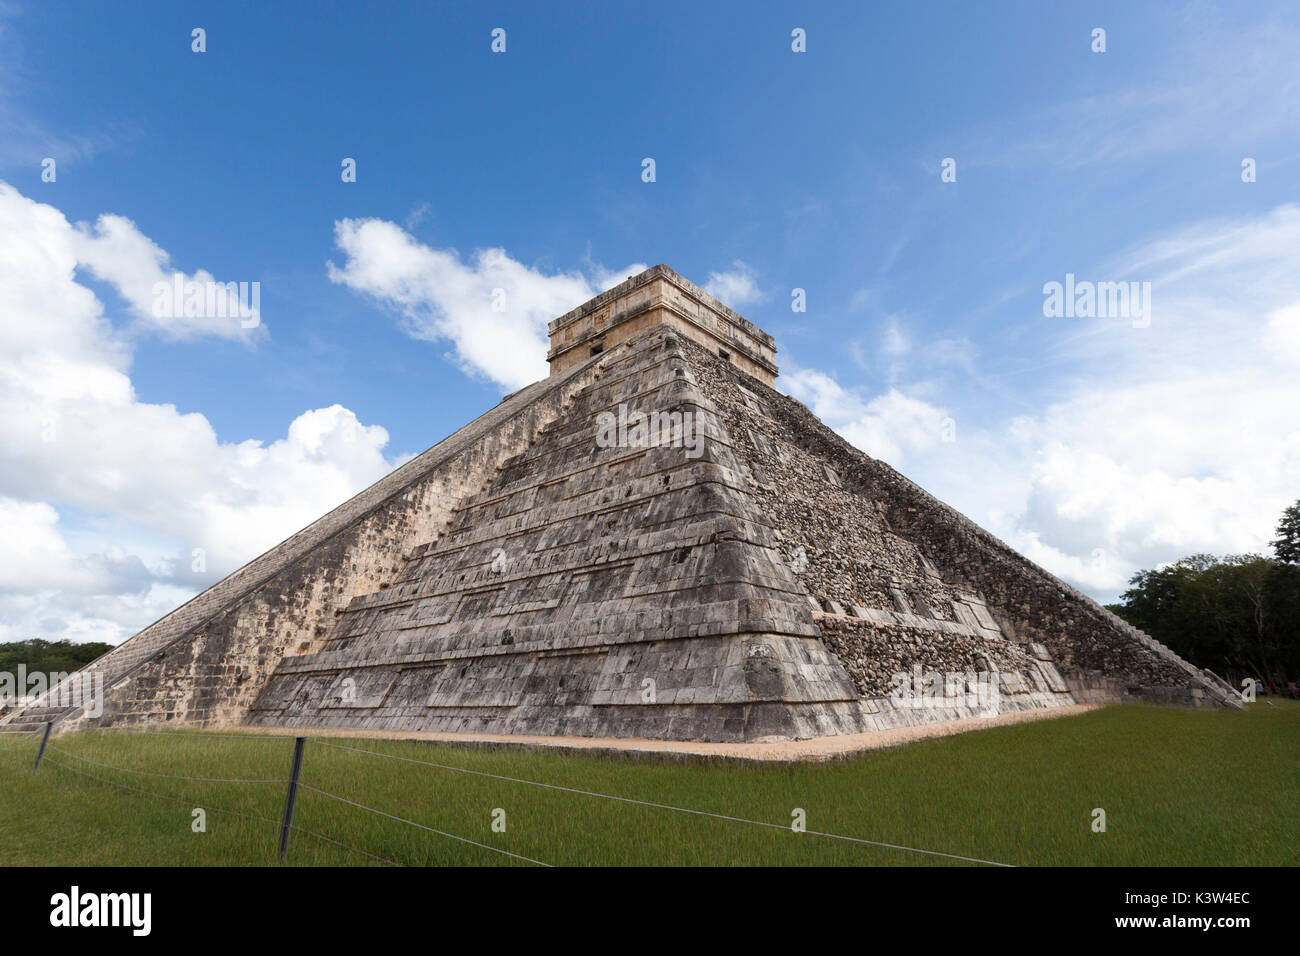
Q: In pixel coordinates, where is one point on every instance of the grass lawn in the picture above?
(1178, 787)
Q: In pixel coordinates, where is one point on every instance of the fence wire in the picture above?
(277, 738)
(360, 806)
(149, 773)
(450, 768)
(207, 806)
(161, 796)
(659, 806)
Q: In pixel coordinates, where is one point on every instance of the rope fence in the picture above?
(294, 783)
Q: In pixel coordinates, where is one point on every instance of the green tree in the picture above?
(1287, 545)
(1282, 606)
(1235, 615)
(63, 657)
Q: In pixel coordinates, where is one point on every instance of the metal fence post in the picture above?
(291, 798)
(49, 725)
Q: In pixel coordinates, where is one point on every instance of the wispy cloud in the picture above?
(1222, 78)
(27, 140)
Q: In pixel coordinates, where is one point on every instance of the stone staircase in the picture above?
(27, 719)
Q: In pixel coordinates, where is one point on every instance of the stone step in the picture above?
(33, 717)
(21, 727)
(39, 716)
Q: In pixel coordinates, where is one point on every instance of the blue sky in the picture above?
(1091, 444)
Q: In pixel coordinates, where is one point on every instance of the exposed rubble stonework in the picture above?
(555, 567)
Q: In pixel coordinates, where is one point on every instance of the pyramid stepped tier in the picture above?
(651, 542)
(594, 588)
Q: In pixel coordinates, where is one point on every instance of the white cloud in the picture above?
(1283, 331)
(602, 278)
(115, 251)
(1192, 461)
(890, 426)
(148, 483)
(493, 310)
(735, 287)
(37, 557)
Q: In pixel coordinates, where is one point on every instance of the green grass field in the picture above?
(1178, 787)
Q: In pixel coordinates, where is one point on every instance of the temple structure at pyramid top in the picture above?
(650, 542)
(659, 296)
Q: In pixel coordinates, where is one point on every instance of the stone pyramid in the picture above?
(651, 542)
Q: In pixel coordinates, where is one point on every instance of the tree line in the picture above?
(48, 657)
(1237, 615)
